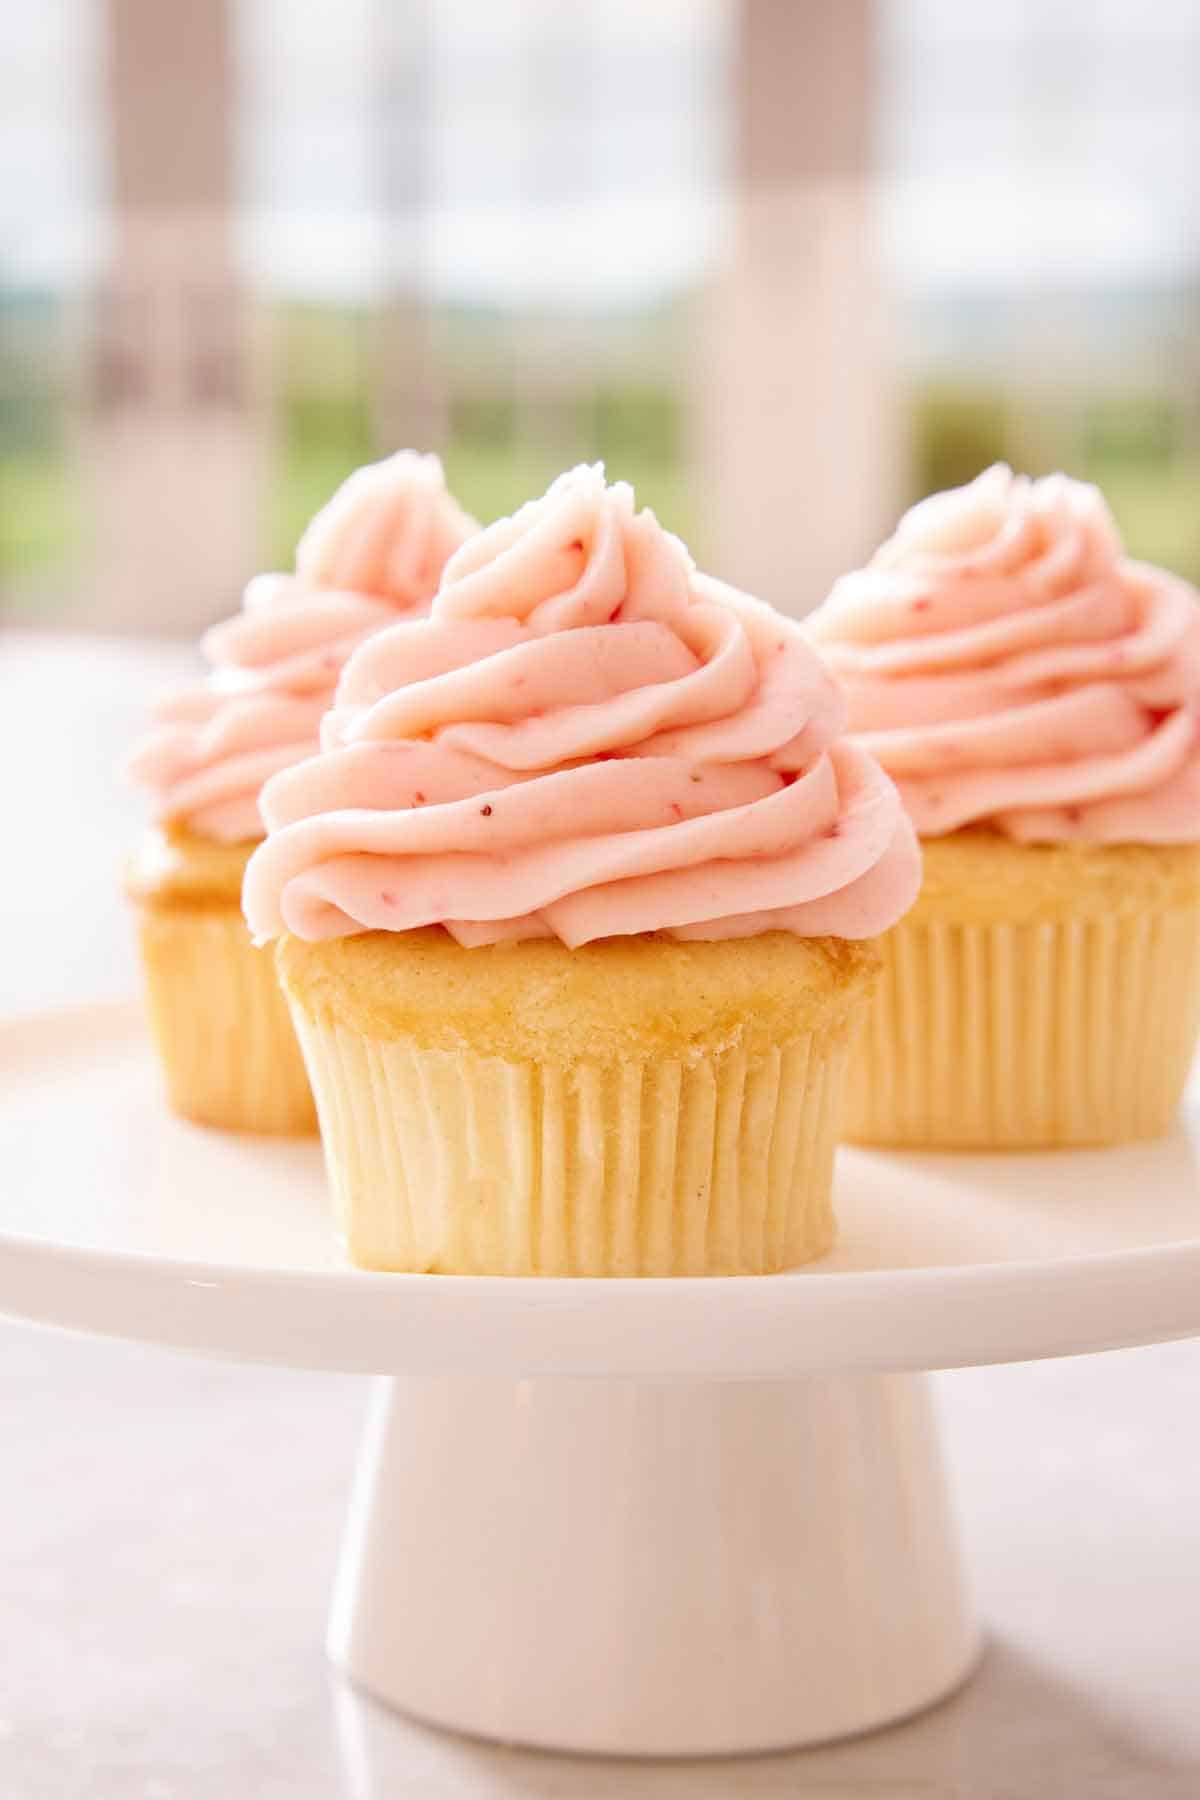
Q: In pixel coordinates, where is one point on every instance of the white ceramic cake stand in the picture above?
(647, 1517)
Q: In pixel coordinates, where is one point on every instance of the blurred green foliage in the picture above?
(39, 515)
(1132, 445)
(40, 503)
(637, 420)
(1122, 429)
(956, 430)
(488, 466)
(1157, 508)
(1135, 445)
(318, 443)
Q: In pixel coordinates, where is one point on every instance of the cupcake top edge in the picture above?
(1009, 664)
(586, 739)
(373, 553)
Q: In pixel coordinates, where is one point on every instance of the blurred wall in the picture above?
(173, 427)
(800, 415)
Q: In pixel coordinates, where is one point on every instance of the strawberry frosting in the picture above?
(586, 738)
(1009, 665)
(375, 551)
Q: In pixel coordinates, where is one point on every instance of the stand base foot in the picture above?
(653, 1569)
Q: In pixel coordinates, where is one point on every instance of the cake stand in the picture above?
(647, 1517)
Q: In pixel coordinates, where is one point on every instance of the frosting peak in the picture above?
(1008, 664)
(376, 550)
(586, 738)
(388, 531)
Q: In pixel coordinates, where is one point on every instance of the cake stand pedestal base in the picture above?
(653, 1568)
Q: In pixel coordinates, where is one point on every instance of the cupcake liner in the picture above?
(221, 1023)
(1039, 1034)
(447, 1161)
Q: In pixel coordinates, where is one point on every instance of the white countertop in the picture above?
(170, 1525)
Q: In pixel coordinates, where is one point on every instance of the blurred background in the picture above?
(785, 264)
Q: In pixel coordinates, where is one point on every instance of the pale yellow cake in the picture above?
(224, 1036)
(637, 1106)
(1036, 996)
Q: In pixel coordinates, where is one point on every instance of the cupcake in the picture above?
(1036, 697)
(574, 913)
(220, 1023)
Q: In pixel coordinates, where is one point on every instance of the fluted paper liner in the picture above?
(1038, 1034)
(442, 1160)
(221, 1023)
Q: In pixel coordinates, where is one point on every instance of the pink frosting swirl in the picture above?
(586, 739)
(376, 550)
(1008, 664)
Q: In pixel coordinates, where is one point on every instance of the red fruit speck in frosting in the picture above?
(677, 809)
(1072, 814)
(485, 812)
(386, 898)
(919, 606)
(418, 799)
